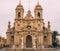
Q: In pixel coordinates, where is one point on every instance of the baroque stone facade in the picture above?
(2, 41)
(29, 31)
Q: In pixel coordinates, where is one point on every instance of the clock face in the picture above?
(18, 23)
(38, 21)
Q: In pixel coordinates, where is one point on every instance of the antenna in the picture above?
(28, 4)
(19, 1)
(38, 2)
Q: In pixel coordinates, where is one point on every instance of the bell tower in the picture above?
(38, 11)
(19, 15)
(19, 11)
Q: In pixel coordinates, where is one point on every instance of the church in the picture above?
(29, 31)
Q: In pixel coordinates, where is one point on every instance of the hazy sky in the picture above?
(51, 12)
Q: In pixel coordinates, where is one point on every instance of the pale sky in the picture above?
(51, 12)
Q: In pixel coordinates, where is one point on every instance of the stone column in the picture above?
(41, 36)
(40, 40)
(22, 42)
(34, 44)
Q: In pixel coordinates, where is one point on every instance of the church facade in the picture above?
(29, 31)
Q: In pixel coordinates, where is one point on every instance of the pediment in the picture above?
(29, 15)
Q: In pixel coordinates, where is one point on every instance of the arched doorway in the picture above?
(28, 41)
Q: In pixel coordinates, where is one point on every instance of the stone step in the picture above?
(19, 49)
(9, 49)
(29, 50)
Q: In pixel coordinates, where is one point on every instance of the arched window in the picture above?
(12, 38)
(45, 38)
(18, 14)
(38, 14)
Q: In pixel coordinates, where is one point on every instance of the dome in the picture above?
(38, 7)
(19, 6)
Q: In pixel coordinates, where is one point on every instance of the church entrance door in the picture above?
(28, 41)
